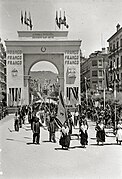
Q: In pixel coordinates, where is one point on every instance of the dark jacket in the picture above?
(36, 127)
(52, 126)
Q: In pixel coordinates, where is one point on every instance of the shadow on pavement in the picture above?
(27, 129)
(11, 130)
(10, 139)
(79, 146)
(93, 138)
(16, 140)
(74, 147)
(110, 144)
(63, 149)
(45, 141)
(27, 137)
(104, 144)
(30, 143)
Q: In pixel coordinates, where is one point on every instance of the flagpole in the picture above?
(55, 26)
(104, 84)
(115, 92)
(104, 97)
(86, 92)
(55, 21)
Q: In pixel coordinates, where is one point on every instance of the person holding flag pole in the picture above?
(61, 114)
(61, 117)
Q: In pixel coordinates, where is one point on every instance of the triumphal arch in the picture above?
(34, 46)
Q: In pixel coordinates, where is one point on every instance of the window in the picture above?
(113, 46)
(94, 62)
(118, 76)
(110, 47)
(121, 61)
(95, 82)
(121, 42)
(111, 65)
(117, 63)
(100, 73)
(100, 84)
(111, 78)
(100, 62)
(94, 73)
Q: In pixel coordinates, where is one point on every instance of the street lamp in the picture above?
(115, 91)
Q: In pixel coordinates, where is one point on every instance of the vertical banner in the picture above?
(72, 77)
(15, 79)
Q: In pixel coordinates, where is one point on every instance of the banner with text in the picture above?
(72, 77)
(14, 68)
(15, 81)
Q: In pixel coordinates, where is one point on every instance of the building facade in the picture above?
(115, 56)
(93, 69)
(2, 72)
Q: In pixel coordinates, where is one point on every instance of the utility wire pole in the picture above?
(104, 90)
(86, 91)
(115, 92)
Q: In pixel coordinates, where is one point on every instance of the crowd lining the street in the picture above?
(45, 115)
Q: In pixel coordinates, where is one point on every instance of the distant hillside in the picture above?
(44, 75)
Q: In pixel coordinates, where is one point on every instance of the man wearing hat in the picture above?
(52, 129)
(36, 130)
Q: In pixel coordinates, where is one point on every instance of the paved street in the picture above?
(22, 159)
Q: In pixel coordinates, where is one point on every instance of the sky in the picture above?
(44, 66)
(92, 21)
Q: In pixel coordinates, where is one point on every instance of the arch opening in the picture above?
(43, 82)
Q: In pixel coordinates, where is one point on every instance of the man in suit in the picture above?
(52, 129)
(36, 130)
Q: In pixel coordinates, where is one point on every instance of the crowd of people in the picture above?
(45, 115)
(3, 111)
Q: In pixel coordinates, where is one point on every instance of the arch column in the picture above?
(61, 83)
(26, 89)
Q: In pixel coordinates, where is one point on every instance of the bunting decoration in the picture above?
(61, 21)
(26, 20)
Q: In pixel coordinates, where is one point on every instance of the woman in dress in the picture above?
(83, 133)
(65, 136)
(100, 135)
(119, 132)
